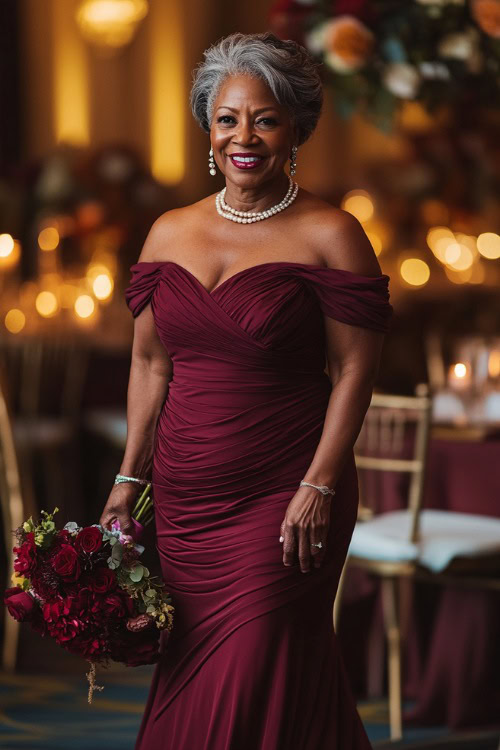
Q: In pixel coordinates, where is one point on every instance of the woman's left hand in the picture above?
(306, 521)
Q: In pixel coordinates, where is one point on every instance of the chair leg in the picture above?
(393, 633)
(338, 598)
(10, 643)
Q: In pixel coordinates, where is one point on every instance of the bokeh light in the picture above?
(488, 245)
(15, 320)
(102, 286)
(84, 306)
(48, 239)
(46, 304)
(359, 203)
(6, 245)
(415, 271)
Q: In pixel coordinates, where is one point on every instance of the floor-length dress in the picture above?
(252, 662)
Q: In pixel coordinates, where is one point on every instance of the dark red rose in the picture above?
(89, 648)
(89, 540)
(287, 19)
(102, 580)
(66, 619)
(144, 652)
(26, 556)
(20, 604)
(66, 563)
(118, 605)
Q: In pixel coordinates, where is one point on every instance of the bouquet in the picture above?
(87, 588)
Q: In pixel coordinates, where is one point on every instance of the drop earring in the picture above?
(293, 163)
(211, 162)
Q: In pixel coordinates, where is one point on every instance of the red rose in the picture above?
(26, 556)
(102, 580)
(20, 604)
(89, 540)
(116, 605)
(66, 563)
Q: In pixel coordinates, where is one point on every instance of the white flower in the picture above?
(315, 38)
(458, 45)
(402, 80)
(434, 71)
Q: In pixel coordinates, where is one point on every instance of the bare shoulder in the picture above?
(339, 238)
(169, 230)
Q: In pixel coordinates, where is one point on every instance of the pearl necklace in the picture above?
(248, 217)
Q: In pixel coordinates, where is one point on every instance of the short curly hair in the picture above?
(284, 65)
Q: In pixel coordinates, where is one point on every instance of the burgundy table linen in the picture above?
(252, 662)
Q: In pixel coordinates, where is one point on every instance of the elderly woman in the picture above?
(240, 301)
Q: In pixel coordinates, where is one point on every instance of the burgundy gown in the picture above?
(252, 662)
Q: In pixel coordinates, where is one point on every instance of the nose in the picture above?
(244, 133)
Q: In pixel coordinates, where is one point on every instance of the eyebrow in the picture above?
(257, 111)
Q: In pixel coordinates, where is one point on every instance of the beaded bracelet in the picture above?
(122, 478)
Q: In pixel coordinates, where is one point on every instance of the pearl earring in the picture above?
(293, 163)
(211, 162)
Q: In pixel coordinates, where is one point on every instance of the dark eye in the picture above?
(268, 121)
(224, 118)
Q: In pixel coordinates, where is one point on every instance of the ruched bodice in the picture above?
(243, 415)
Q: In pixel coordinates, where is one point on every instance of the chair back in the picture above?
(391, 453)
(45, 375)
(13, 510)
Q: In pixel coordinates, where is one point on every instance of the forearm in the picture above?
(147, 391)
(347, 406)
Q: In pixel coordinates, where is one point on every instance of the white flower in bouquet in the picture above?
(434, 71)
(460, 45)
(401, 79)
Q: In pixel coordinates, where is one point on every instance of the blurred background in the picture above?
(96, 141)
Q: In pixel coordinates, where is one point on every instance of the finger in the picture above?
(282, 531)
(289, 545)
(317, 553)
(304, 550)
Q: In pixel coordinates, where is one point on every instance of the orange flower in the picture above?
(486, 13)
(348, 43)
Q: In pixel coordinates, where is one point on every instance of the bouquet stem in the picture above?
(143, 508)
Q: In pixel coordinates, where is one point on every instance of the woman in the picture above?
(229, 408)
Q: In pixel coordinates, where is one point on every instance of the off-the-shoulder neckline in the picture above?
(311, 266)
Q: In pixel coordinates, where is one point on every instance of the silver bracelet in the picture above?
(122, 478)
(321, 487)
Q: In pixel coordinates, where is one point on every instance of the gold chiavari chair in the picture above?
(402, 545)
(46, 377)
(14, 510)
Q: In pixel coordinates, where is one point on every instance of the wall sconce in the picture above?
(110, 24)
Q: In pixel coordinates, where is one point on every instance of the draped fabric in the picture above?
(252, 662)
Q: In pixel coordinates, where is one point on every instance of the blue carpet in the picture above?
(51, 712)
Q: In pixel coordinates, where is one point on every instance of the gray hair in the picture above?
(284, 65)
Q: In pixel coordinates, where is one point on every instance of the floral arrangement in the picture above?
(86, 588)
(378, 54)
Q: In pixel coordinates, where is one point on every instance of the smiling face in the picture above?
(251, 134)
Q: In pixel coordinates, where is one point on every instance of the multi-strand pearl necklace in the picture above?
(248, 217)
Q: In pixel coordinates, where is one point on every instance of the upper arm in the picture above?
(344, 245)
(147, 345)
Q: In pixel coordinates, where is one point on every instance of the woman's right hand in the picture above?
(119, 506)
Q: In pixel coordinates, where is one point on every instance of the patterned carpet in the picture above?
(50, 712)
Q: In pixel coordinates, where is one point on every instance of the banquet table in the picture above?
(452, 650)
